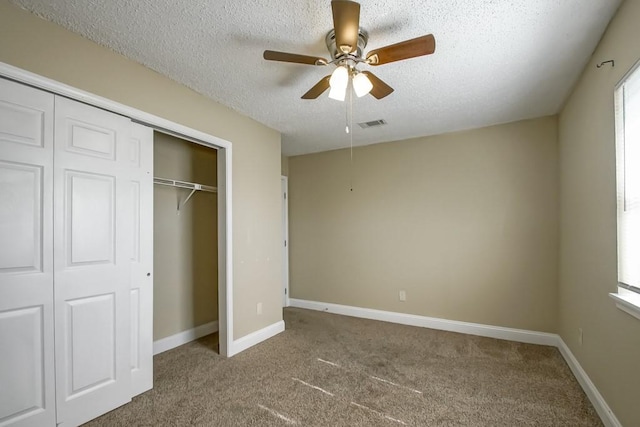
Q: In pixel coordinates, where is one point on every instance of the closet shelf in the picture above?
(187, 186)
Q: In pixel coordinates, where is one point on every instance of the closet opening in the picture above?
(185, 243)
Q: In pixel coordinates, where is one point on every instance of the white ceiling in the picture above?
(496, 61)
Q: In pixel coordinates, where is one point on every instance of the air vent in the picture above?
(365, 125)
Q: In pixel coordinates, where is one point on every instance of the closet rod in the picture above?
(186, 185)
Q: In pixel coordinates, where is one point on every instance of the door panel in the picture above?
(27, 388)
(20, 123)
(92, 208)
(90, 139)
(21, 213)
(135, 334)
(141, 190)
(90, 220)
(91, 324)
(23, 362)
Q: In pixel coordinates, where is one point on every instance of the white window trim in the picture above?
(626, 300)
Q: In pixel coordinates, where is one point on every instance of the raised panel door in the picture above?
(93, 209)
(27, 382)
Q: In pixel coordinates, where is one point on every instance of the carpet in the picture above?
(332, 370)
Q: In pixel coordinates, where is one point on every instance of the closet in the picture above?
(185, 241)
(76, 255)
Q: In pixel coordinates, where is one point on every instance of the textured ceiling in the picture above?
(496, 61)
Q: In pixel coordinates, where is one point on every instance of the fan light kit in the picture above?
(346, 43)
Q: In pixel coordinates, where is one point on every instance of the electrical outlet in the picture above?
(259, 308)
(580, 336)
(403, 296)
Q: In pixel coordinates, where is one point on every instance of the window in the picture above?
(628, 188)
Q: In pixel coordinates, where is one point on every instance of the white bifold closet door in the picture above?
(76, 236)
(27, 386)
(141, 164)
(92, 225)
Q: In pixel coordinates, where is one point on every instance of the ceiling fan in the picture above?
(346, 43)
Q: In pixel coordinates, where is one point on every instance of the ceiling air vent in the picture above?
(365, 125)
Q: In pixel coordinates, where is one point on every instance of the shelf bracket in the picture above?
(181, 205)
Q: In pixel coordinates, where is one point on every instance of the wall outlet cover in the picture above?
(580, 336)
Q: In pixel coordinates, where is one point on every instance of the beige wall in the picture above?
(611, 346)
(185, 244)
(51, 51)
(285, 166)
(465, 223)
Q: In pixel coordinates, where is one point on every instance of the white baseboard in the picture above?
(241, 344)
(184, 337)
(518, 335)
(606, 414)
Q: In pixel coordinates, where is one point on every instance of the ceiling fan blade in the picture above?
(419, 46)
(318, 89)
(380, 88)
(346, 23)
(272, 55)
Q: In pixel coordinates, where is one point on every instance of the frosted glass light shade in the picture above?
(361, 85)
(339, 78)
(338, 93)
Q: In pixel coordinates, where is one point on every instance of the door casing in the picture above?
(285, 237)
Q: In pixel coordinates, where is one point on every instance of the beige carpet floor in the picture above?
(330, 370)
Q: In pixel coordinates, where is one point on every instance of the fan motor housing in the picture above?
(330, 40)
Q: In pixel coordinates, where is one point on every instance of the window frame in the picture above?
(628, 296)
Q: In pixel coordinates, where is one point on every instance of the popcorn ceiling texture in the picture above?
(496, 61)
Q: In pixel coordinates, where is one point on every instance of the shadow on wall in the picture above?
(185, 243)
(204, 229)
